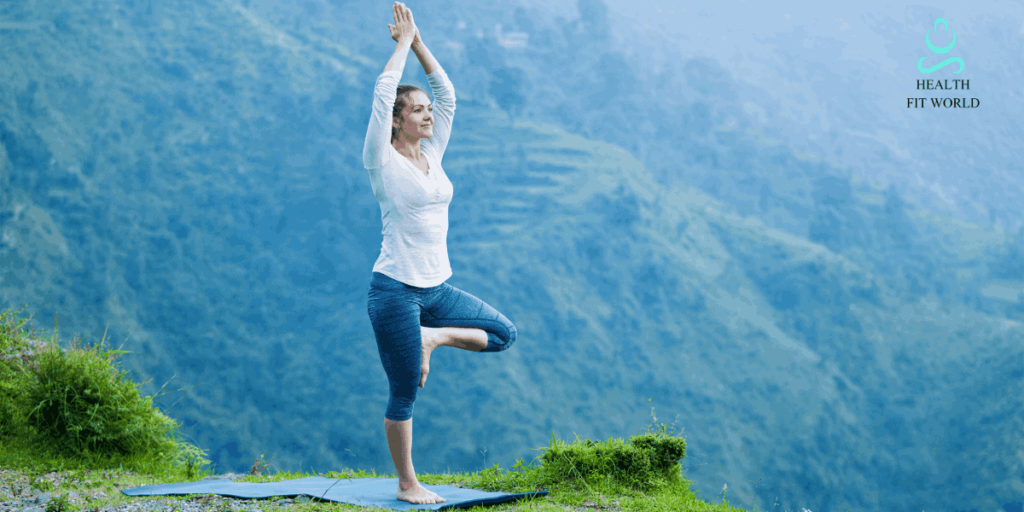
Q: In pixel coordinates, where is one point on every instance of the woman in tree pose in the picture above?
(412, 309)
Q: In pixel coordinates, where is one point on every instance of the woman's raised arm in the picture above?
(404, 33)
(397, 62)
(427, 59)
(444, 99)
(378, 134)
(444, 94)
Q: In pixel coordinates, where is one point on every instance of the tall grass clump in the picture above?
(646, 462)
(76, 405)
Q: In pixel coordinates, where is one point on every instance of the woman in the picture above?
(412, 309)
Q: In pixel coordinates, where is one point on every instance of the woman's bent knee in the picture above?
(496, 343)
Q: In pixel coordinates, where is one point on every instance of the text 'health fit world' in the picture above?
(955, 84)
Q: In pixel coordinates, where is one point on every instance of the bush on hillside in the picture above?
(76, 404)
(80, 403)
(646, 462)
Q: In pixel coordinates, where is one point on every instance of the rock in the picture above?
(589, 504)
(33, 509)
(43, 498)
(302, 498)
(72, 494)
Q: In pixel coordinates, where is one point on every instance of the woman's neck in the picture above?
(408, 148)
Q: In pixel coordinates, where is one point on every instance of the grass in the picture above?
(70, 416)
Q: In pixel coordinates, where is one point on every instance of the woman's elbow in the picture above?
(369, 160)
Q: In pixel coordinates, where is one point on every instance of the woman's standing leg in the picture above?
(394, 313)
(399, 435)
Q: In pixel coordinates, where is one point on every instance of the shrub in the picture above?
(80, 402)
(76, 406)
(646, 462)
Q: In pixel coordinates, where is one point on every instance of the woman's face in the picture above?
(417, 116)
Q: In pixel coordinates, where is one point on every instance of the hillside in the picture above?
(189, 173)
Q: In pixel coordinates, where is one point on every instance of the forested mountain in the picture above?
(188, 174)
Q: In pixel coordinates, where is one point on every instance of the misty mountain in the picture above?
(187, 174)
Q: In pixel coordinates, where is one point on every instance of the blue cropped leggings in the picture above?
(397, 311)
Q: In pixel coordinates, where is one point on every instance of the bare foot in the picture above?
(419, 495)
(431, 339)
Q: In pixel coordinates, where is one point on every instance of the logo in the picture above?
(943, 83)
(940, 51)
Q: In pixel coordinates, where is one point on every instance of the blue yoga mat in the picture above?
(366, 492)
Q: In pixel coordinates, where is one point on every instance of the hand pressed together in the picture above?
(404, 27)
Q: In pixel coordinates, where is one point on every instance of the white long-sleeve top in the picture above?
(413, 207)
